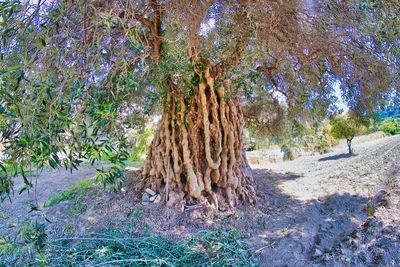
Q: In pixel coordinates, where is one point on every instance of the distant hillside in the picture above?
(390, 113)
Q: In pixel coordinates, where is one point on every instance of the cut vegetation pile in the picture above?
(123, 248)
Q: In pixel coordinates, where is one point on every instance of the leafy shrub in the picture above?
(34, 234)
(287, 152)
(390, 126)
(323, 147)
(25, 248)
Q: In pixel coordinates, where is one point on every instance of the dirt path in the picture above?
(337, 173)
(322, 212)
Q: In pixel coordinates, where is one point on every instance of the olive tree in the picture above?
(345, 128)
(73, 73)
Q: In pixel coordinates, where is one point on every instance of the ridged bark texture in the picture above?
(197, 154)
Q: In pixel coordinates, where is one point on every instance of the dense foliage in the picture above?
(390, 126)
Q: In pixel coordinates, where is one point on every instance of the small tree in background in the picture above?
(345, 128)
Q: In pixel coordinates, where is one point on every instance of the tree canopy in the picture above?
(75, 74)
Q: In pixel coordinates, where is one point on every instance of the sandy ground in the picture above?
(326, 220)
(326, 210)
(340, 173)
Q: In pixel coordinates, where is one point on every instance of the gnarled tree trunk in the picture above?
(197, 153)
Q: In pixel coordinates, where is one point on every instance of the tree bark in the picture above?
(197, 154)
(349, 145)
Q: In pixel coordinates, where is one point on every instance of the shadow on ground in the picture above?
(288, 232)
(339, 156)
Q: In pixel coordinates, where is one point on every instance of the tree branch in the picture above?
(145, 22)
(242, 36)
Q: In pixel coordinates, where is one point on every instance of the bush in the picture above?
(287, 152)
(323, 147)
(24, 248)
(390, 126)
